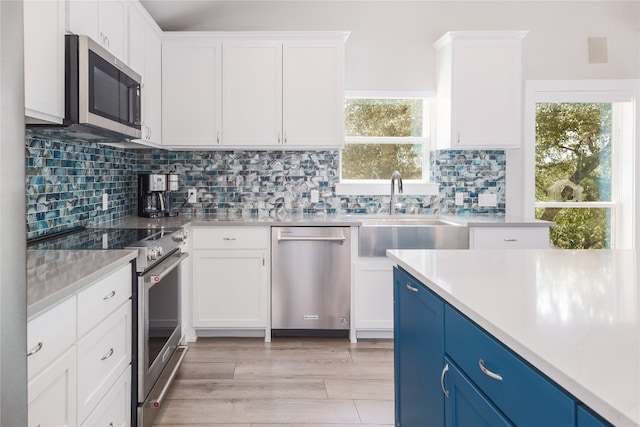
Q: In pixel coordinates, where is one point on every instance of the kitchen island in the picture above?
(572, 315)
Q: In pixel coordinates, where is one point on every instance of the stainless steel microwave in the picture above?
(101, 92)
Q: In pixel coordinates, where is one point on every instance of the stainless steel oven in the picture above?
(159, 334)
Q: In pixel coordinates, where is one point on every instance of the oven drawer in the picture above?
(103, 297)
(50, 334)
(230, 237)
(103, 354)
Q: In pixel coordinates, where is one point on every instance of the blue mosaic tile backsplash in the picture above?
(66, 180)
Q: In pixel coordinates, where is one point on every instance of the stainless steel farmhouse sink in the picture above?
(378, 234)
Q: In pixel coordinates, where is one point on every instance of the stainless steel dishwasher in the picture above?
(310, 276)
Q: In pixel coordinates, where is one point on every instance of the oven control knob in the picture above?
(154, 253)
(159, 251)
(180, 236)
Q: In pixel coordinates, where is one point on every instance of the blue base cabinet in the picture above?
(465, 405)
(418, 354)
(450, 372)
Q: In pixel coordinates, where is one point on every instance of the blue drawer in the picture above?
(524, 395)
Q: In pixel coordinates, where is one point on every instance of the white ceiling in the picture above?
(182, 15)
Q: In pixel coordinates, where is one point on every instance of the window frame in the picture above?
(623, 197)
(382, 186)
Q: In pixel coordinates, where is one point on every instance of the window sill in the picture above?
(363, 188)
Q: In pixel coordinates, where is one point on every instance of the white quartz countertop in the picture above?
(53, 275)
(204, 220)
(574, 315)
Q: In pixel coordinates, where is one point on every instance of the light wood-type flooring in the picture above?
(302, 382)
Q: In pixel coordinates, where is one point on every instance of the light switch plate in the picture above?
(105, 201)
(488, 199)
(315, 196)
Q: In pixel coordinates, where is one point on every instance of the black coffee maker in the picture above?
(152, 195)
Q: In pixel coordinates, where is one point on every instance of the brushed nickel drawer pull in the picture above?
(108, 355)
(510, 240)
(444, 371)
(488, 372)
(411, 288)
(230, 239)
(109, 296)
(35, 349)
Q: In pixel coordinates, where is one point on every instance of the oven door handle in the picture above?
(158, 273)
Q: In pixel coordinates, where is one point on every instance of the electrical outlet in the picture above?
(487, 199)
(315, 196)
(459, 199)
(192, 195)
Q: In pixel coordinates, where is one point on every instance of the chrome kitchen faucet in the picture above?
(392, 203)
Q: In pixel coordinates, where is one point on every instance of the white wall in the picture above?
(13, 301)
(391, 41)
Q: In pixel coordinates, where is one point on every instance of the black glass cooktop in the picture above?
(100, 238)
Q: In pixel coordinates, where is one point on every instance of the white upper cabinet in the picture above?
(478, 89)
(105, 21)
(313, 93)
(253, 90)
(44, 28)
(252, 93)
(145, 57)
(291, 92)
(191, 90)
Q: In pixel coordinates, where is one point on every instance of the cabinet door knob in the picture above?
(442, 374)
(108, 355)
(35, 349)
(488, 372)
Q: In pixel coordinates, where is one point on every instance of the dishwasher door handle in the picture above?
(312, 239)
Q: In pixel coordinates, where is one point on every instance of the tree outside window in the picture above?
(384, 135)
(574, 172)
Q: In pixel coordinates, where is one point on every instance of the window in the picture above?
(584, 167)
(384, 133)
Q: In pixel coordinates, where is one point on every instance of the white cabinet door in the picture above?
(509, 238)
(103, 354)
(50, 334)
(252, 93)
(313, 93)
(478, 85)
(44, 29)
(191, 91)
(52, 393)
(145, 57)
(102, 20)
(112, 15)
(230, 289)
(373, 295)
(83, 18)
(115, 408)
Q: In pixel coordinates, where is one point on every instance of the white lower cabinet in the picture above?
(115, 409)
(79, 352)
(52, 393)
(509, 238)
(372, 296)
(231, 278)
(103, 354)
